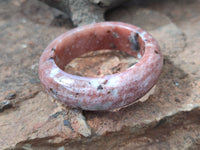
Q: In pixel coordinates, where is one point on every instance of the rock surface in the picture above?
(84, 12)
(168, 119)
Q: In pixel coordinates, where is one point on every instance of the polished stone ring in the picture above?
(102, 93)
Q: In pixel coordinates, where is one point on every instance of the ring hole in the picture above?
(100, 63)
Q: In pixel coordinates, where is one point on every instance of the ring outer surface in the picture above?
(102, 93)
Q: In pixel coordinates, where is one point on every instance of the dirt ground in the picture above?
(168, 119)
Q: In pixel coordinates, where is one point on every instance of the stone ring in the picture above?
(102, 93)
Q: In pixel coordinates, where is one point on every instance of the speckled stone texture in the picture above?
(168, 119)
(107, 92)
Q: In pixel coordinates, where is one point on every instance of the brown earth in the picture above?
(168, 119)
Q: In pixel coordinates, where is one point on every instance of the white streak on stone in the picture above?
(143, 34)
(66, 82)
(94, 83)
(113, 82)
(60, 40)
(139, 56)
(54, 72)
(150, 44)
(115, 93)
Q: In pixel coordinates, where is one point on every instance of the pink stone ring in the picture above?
(102, 93)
